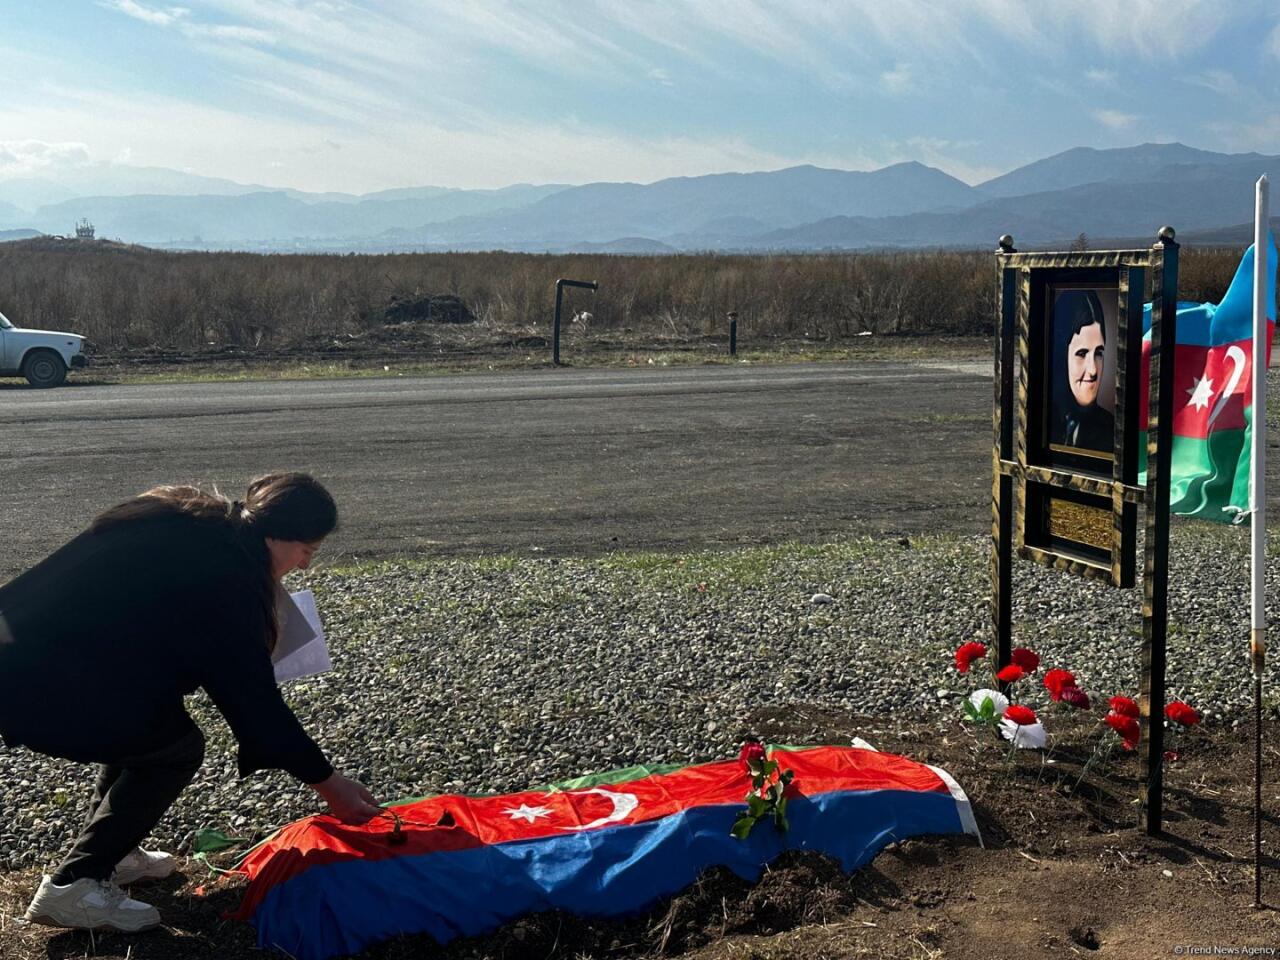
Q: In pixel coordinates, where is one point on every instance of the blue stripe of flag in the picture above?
(342, 908)
(1215, 325)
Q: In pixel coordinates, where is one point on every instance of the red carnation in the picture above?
(752, 749)
(1179, 712)
(1055, 681)
(1022, 716)
(1127, 727)
(1027, 659)
(1124, 706)
(1075, 697)
(968, 653)
(1011, 674)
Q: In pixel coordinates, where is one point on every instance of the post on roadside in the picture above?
(733, 333)
(555, 333)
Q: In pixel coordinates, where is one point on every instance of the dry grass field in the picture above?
(129, 299)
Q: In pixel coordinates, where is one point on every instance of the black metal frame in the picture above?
(1045, 473)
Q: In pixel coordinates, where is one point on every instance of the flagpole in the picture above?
(1257, 508)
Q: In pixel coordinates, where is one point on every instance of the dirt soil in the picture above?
(418, 345)
(1064, 872)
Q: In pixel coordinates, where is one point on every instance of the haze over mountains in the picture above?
(1124, 193)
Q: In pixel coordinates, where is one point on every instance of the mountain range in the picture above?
(1117, 193)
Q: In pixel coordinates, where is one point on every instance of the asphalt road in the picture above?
(554, 461)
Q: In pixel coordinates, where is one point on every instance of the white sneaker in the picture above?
(90, 905)
(139, 864)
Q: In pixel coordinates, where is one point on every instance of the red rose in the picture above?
(1124, 706)
(1027, 659)
(1127, 727)
(752, 749)
(1022, 716)
(1179, 712)
(1055, 681)
(1075, 697)
(969, 653)
(1011, 674)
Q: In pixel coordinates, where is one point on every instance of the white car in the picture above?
(42, 356)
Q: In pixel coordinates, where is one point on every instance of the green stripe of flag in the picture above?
(1209, 478)
(625, 774)
(621, 775)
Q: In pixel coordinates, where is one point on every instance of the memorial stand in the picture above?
(1069, 503)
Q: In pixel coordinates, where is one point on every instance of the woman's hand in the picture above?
(347, 799)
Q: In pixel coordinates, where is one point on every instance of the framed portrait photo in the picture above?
(1081, 374)
(1079, 330)
(1077, 342)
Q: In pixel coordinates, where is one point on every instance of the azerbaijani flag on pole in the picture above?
(601, 846)
(1212, 407)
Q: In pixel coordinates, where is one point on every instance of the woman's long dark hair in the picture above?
(282, 506)
(1073, 310)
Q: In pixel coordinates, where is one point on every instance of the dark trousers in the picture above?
(128, 801)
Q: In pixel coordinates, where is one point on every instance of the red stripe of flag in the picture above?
(457, 822)
(1212, 386)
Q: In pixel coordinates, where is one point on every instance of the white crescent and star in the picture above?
(527, 813)
(1201, 392)
(623, 805)
(1238, 360)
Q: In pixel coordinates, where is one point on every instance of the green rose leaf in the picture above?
(211, 841)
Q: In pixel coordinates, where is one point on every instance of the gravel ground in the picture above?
(494, 675)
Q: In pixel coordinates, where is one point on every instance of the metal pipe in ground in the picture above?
(555, 333)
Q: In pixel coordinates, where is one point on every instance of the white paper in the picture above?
(300, 649)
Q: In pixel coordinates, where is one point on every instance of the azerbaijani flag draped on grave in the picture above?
(599, 846)
(1212, 407)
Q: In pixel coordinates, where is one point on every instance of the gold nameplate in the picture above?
(1079, 522)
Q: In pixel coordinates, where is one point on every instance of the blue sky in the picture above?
(361, 96)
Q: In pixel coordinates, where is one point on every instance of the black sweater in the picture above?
(111, 631)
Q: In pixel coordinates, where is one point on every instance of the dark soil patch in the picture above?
(1064, 872)
(450, 337)
(438, 308)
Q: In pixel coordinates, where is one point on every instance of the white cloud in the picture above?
(396, 93)
(897, 81)
(387, 153)
(25, 157)
(230, 32)
(161, 17)
(1219, 81)
(1150, 29)
(180, 17)
(1260, 134)
(1114, 119)
(943, 154)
